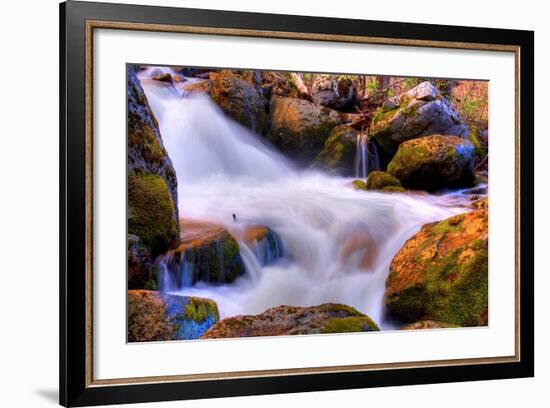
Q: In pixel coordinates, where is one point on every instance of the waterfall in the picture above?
(203, 143)
(366, 156)
(335, 244)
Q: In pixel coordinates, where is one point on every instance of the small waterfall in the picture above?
(267, 249)
(173, 276)
(204, 144)
(366, 156)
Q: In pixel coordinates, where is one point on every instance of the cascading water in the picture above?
(338, 242)
(366, 156)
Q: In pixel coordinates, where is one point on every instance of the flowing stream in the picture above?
(338, 243)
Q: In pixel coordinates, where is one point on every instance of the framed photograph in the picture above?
(256, 204)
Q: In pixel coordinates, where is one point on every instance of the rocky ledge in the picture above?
(291, 320)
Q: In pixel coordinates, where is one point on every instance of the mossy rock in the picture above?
(358, 185)
(150, 212)
(156, 316)
(379, 180)
(293, 320)
(146, 152)
(339, 151)
(300, 128)
(210, 253)
(441, 273)
(350, 325)
(434, 162)
(418, 112)
(239, 94)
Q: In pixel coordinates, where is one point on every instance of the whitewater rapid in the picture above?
(338, 242)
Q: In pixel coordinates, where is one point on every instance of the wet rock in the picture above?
(299, 127)
(263, 241)
(332, 91)
(290, 320)
(434, 162)
(156, 316)
(358, 185)
(339, 151)
(207, 252)
(166, 77)
(239, 94)
(380, 180)
(150, 171)
(441, 273)
(419, 112)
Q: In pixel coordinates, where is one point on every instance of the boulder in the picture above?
(339, 151)
(290, 320)
(152, 183)
(380, 180)
(146, 152)
(441, 273)
(434, 162)
(332, 91)
(207, 252)
(299, 127)
(358, 185)
(418, 112)
(239, 94)
(151, 211)
(156, 316)
(166, 77)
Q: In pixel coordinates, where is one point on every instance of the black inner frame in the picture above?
(72, 365)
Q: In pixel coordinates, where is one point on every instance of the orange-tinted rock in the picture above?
(209, 250)
(441, 273)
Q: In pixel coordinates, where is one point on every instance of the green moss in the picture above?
(384, 114)
(378, 180)
(466, 301)
(340, 308)
(151, 284)
(339, 149)
(359, 184)
(407, 157)
(151, 211)
(349, 324)
(474, 138)
(198, 309)
(451, 291)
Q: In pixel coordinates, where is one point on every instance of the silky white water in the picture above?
(338, 242)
